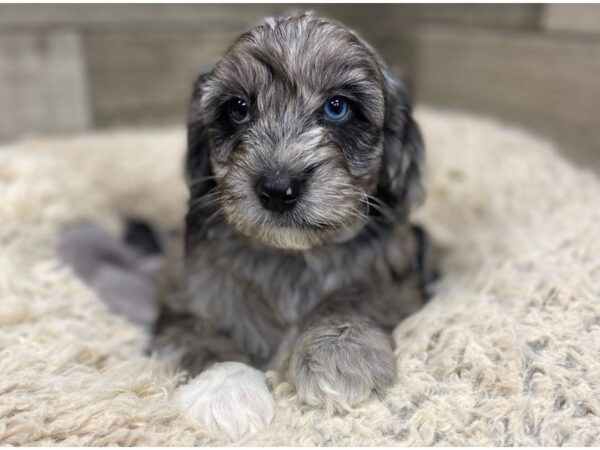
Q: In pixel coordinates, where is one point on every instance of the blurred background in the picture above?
(73, 68)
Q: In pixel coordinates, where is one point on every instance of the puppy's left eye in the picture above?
(238, 110)
(336, 109)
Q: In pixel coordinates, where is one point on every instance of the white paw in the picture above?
(229, 398)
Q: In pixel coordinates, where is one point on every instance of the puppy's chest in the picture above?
(258, 293)
(281, 287)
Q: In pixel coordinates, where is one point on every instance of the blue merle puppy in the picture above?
(303, 164)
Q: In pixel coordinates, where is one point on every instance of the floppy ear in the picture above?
(198, 173)
(403, 151)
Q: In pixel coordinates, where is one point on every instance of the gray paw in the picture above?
(338, 362)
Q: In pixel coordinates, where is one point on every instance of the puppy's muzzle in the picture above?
(279, 193)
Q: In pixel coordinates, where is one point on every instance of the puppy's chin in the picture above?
(297, 238)
(288, 238)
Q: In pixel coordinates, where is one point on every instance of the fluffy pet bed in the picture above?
(506, 353)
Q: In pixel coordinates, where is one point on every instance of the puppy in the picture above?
(303, 163)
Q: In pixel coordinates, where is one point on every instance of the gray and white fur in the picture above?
(299, 253)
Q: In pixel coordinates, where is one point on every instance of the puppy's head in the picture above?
(300, 133)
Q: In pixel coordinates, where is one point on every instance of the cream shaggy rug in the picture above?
(506, 353)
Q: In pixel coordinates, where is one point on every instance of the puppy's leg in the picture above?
(228, 398)
(225, 398)
(339, 359)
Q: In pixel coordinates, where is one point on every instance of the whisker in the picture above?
(380, 207)
(204, 201)
(194, 181)
(371, 201)
(209, 222)
(386, 212)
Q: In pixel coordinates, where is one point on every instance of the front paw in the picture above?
(229, 398)
(338, 363)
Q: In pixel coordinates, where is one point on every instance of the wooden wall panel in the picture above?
(386, 18)
(146, 77)
(204, 17)
(549, 83)
(578, 18)
(67, 67)
(43, 84)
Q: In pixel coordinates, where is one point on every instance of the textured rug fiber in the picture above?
(506, 353)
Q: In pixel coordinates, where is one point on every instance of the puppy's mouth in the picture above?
(298, 238)
(295, 233)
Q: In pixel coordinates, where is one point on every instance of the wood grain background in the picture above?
(71, 68)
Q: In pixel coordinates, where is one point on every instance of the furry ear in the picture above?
(198, 172)
(403, 150)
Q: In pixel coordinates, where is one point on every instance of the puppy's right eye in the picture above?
(238, 110)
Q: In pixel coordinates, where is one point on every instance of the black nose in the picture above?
(278, 193)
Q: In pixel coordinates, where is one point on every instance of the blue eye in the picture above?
(336, 109)
(238, 110)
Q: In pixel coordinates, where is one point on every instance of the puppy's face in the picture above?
(294, 116)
